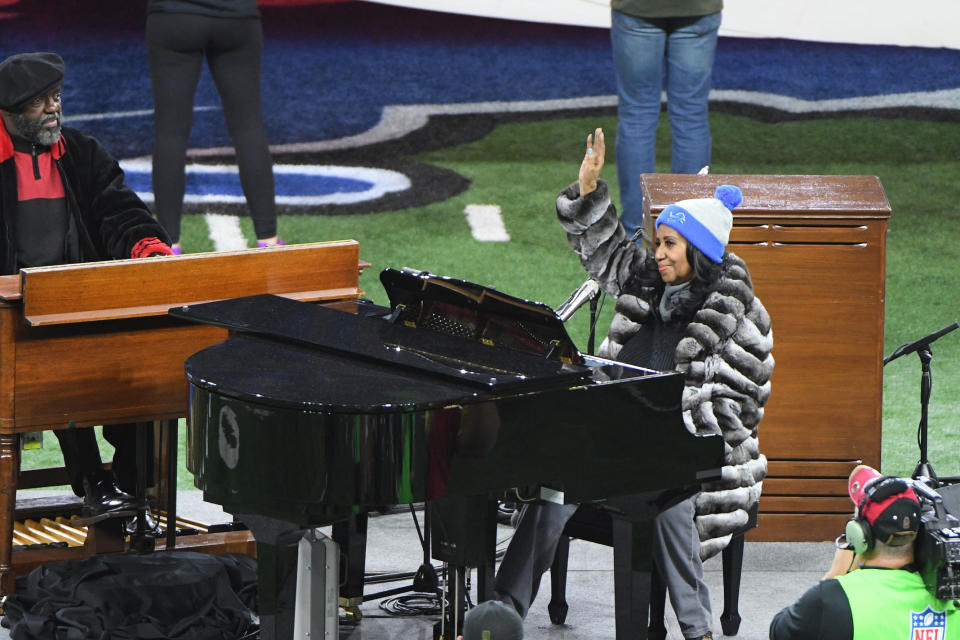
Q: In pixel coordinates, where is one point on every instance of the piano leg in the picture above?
(277, 555)
(632, 566)
(170, 429)
(351, 537)
(732, 568)
(9, 471)
(464, 535)
(658, 604)
(486, 562)
(558, 607)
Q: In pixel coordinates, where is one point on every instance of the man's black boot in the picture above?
(101, 495)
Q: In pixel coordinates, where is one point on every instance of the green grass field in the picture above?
(521, 168)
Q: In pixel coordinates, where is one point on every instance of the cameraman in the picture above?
(887, 597)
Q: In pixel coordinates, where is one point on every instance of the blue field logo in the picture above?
(295, 185)
(928, 625)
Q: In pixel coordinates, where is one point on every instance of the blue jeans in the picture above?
(649, 53)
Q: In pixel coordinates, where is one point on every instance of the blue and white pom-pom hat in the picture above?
(705, 222)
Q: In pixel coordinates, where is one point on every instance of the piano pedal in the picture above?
(352, 613)
(505, 511)
(88, 520)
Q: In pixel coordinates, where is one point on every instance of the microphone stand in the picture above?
(922, 348)
(593, 325)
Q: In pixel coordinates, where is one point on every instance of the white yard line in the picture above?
(72, 119)
(486, 224)
(225, 232)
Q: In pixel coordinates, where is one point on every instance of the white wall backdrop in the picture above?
(929, 23)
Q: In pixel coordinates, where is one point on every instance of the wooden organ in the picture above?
(88, 344)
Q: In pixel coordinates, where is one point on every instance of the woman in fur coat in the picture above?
(686, 306)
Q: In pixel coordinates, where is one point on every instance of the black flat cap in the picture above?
(26, 76)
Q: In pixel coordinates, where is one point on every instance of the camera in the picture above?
(937, 548)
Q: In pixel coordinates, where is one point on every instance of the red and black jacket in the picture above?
(112, 222)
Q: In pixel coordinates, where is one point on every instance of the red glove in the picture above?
(149, 247)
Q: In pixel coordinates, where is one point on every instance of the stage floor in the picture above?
(774, 575)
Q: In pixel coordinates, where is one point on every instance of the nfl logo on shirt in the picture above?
(928, 625)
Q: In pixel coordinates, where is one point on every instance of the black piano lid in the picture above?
(311, 349)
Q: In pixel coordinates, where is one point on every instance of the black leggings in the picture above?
(176, 46)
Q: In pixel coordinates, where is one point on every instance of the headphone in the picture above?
(859, 533)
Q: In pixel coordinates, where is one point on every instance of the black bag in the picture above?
(175, 596)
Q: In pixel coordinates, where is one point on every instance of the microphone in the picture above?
(584, 294)
(922, 343)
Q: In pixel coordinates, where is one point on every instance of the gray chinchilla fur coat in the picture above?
(724, 354)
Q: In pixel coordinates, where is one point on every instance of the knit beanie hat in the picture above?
(492, 620)
(26, 76)
(705, 222)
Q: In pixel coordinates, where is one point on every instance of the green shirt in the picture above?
(667, 8)
(893, 603)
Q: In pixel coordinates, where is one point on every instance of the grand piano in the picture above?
(310, 414)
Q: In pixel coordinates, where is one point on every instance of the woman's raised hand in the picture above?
(592, 162)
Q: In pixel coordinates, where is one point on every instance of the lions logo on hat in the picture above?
(675, 216)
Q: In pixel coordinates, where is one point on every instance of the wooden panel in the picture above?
(827, 383)
(45, 477)
(807, 527)
(812, 468)
(102, 373)
(131, 288)
(791, 197)
(774, 486)
(10, 320)
(10, 287)
(805, 504)
(797, 234)
(816, 250)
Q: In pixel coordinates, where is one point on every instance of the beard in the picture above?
(34, 131)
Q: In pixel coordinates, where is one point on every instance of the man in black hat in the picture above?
(63, 200)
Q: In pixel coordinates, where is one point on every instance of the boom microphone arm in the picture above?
(922, 343)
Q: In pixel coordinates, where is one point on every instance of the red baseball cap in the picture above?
(889, 510)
